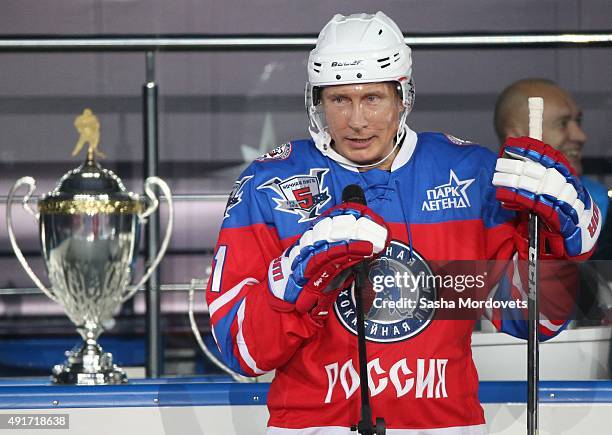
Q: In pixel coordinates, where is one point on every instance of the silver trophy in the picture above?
(89, 231)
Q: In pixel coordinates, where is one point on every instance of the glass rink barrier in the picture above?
(194, 110)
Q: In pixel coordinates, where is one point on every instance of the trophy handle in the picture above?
(154, 203)
(31, 183)
(196, 333)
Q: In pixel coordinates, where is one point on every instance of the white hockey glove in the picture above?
(310, 273)
(532, 176)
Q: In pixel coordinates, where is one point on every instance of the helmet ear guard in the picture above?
(359, 48)
(316, 95)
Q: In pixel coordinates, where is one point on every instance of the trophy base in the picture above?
(88, 365)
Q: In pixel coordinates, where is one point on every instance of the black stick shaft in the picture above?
(536, 114)
(533, 369)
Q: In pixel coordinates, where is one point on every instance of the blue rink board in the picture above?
(212, 391)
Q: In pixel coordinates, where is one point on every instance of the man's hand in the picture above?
(309, 274)
(532, 176)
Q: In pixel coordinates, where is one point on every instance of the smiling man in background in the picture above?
(561, 127)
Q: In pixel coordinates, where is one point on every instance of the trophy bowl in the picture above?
(90, 229)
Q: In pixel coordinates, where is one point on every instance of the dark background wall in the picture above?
(220, 109)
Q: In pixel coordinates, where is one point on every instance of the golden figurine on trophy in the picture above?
(88, 126)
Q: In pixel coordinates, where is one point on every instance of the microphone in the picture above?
(354, 193)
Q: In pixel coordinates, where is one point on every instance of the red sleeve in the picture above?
(507, 247)
(252, 337)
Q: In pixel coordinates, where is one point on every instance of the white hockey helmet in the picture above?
(359, 48)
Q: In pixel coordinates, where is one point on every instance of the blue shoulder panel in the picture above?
(453, 182)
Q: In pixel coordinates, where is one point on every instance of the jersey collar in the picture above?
(406, 150)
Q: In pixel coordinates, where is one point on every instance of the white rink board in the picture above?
(503, 419)
(566, 419)
(576, 354)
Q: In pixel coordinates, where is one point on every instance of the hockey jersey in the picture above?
(439, 204)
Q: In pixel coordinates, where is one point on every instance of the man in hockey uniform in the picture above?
(280, 296)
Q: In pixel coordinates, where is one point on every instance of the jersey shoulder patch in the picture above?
(235, 196)
(281, 152)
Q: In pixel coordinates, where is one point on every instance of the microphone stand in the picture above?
(365, 426)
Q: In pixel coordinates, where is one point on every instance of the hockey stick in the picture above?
(536, 108)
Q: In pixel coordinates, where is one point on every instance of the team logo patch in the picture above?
(458, 141)
(278, 153)
(400, 309)
(235, 196)
(449, 195)
(303, 195)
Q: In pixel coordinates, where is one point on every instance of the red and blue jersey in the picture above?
(439, 204)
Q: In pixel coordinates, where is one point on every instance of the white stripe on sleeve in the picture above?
(229, 295)
(242, 346)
